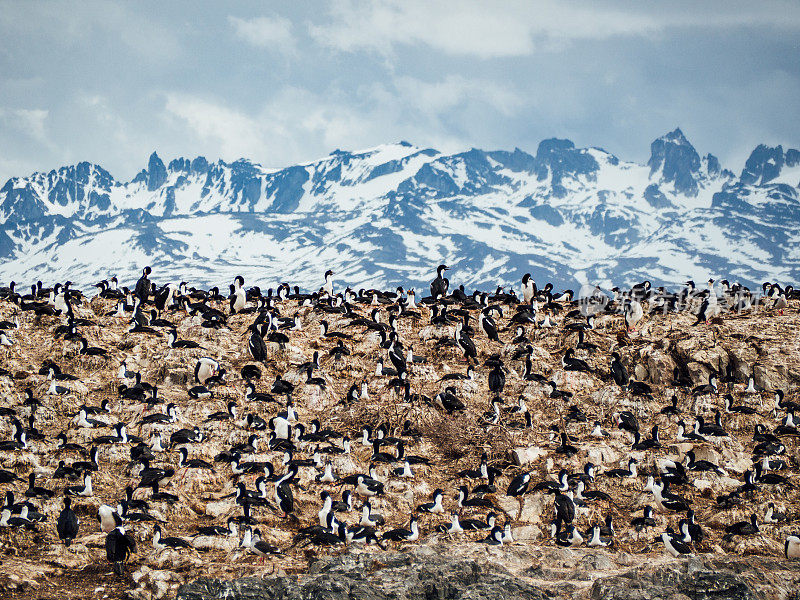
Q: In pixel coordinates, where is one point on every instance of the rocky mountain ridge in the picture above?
(382, 215)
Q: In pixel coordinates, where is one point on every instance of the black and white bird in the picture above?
(174, 342)
(160, 418)
(231, 530)
(366, 486)
(35, 491)
(80, 490)
(596, 539)
(369, 518)
(154, 475)
(519, 485)
(645, 521)
(630, 472)
(253, 542)
(665, 500)
(403, 535)
(224, 415)
(464, 501)
(674, 545)
(741, 409)
(204, 369)
(256, 345)
(86, 350)
(495, 537)
(700, 465)
(627, 421)
(160, 542)
(791, 548)
(108, 518)
(741, 528)
(772, 516)
(489, 327)
(194, 463)
(497, 379)
(434, 507)
(570, 363)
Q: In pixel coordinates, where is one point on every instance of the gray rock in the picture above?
(525, 456)
(436, 572)
(710, 585)
(398, 576)
(688, 580)
(769, 378)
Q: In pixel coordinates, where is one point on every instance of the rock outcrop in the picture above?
(442, 573)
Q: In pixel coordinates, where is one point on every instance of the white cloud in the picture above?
(234, 132)
(438, 97)
(466, 29)
(519, 27)
(10, 167)
(264, 32)
(17, 124)
(33, 121)
(113, 125)
(296, 123)
(383, 70)
(69, 24)
(28, 121)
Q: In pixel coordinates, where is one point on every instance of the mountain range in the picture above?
(389, 215)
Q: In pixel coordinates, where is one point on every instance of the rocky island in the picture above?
(590, 427)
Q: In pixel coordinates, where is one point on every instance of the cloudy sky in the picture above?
(284, 82)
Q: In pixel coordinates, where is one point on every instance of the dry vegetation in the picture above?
(37, 566)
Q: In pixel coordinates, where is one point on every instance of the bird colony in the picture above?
(170, 429)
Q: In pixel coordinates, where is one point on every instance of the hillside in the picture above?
(382, 216)
(764, 343)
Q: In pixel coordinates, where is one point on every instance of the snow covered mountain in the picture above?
(388, 215)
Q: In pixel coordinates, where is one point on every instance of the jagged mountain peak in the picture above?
(559, 158)
(767, 164)
(156, 172)
(676, 160)
(677, 136)
(553, 145)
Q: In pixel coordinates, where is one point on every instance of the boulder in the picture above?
(525, 456)
(397, 575)
(219, 509)
(660, 366)
(770, 378)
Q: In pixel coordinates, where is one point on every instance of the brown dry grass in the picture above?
(449, 435)
(452, 442)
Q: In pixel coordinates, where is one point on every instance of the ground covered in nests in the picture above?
(36, 565)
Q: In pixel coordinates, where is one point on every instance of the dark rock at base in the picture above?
(510, 573)
(669, 583)
(710, 585)
(398, 576)
(445, 572)
(247, 588)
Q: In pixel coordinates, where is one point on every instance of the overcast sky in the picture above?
(285, 82)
